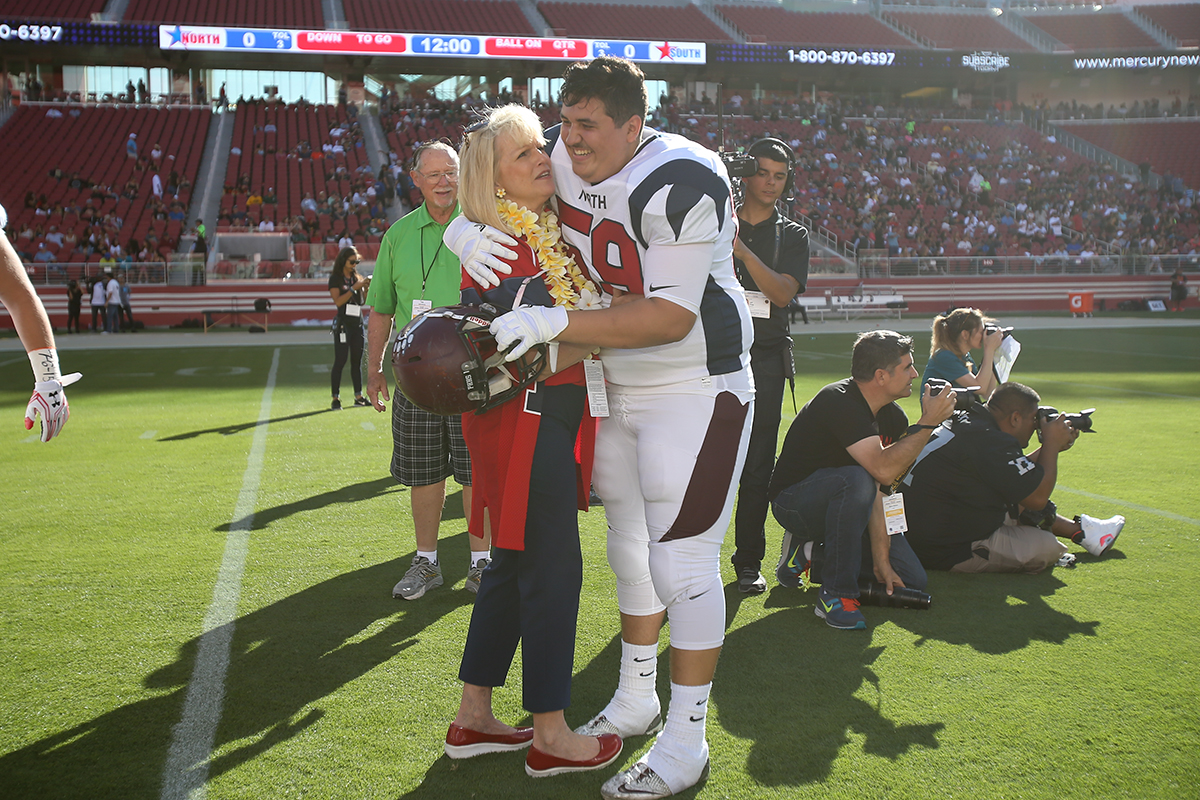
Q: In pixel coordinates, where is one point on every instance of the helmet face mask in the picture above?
(446, 362)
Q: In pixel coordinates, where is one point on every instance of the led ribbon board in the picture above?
(191, 37)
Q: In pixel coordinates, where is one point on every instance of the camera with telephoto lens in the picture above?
(875, 594)
(963, 397)
(1004, 332)
(1081, 422)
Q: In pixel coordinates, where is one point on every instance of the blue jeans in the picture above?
(831, 508)
(112, 321)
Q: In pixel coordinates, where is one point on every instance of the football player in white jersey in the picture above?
(652, 216)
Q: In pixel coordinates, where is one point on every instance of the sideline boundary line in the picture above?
(186, 771)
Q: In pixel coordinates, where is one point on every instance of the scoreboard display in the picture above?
(193, 37)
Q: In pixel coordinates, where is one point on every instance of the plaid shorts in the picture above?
(427, 448)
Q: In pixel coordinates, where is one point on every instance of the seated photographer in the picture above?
(845, 442)
(962, 495)
(955, 335)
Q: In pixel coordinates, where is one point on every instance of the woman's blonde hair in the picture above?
(477, 160)
(948, 328)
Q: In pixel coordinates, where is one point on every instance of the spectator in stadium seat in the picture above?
(131, 148)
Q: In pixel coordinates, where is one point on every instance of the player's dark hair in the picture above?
(875, 350)
(1012, 397)
(619, 84)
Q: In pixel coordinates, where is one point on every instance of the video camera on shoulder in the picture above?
(963, 396)
(1081, 421)
(993, 328)
(740, 166)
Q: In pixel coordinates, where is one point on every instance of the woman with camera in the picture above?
(955, 335)
(528, 479)
(348, 290)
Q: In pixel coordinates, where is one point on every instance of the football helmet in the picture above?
(446, 361)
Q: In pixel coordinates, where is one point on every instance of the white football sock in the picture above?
(478, 554)
(681, 751)
(431, 555)
(635, 703)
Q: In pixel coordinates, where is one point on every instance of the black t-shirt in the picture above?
(838, 417)
(962, 484)
(343, 283)
(763, 239)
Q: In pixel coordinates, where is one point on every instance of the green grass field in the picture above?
(1073, 683)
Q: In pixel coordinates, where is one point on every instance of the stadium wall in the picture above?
(293, 301)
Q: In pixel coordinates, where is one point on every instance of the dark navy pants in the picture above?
(532, 595)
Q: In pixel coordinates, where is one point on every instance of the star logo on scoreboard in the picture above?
(176, 36)
(664, 50)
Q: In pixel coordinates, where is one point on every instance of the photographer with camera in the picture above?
(770, 256)
(975, 502)
(955, 335)
(825, 491)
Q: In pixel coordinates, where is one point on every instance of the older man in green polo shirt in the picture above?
(414, 273)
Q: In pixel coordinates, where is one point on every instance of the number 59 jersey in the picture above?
(663, 226)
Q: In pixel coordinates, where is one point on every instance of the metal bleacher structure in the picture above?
(33, 144)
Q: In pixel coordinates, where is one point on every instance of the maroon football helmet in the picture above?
(446, 362)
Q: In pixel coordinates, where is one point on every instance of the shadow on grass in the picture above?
(992, 613)
(230, 430)
(284, 658)
(791, 660)
(355, 492)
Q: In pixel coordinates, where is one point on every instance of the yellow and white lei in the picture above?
(566, 284)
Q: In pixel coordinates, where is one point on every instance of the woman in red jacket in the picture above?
(531, 468)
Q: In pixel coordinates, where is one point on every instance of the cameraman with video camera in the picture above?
(974, 502)
(771, 260)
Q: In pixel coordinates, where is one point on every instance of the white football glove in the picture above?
(477, 247)
(49, 403)
(527, 326)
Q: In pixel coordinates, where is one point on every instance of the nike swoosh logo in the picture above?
(654, 288)
(696, 719)
(693, 597)
(637, 660)
(791, 562)
(646, 674)
(701, 702)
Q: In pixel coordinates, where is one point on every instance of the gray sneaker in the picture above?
(422, 576)
(600, 724)
(642, 782)
(475, 575)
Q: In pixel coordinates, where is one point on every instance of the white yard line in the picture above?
(186, 770)
(1125, 504)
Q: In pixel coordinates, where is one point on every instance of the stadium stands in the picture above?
(1109, 31)
(439, 16)
(269, 14)
(598, 20)
(1181, 20)
(1166, 146)
(48, 149)
(772, 24)
(291, 153)
(53, 9)
(960, 31)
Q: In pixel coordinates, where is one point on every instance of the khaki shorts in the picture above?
(1014, 548)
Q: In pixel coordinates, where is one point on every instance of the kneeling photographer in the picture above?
(975, 502)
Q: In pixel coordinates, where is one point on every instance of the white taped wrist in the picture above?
(45, 364)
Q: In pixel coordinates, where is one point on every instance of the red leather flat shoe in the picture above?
(463, 742)
(543, 765)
